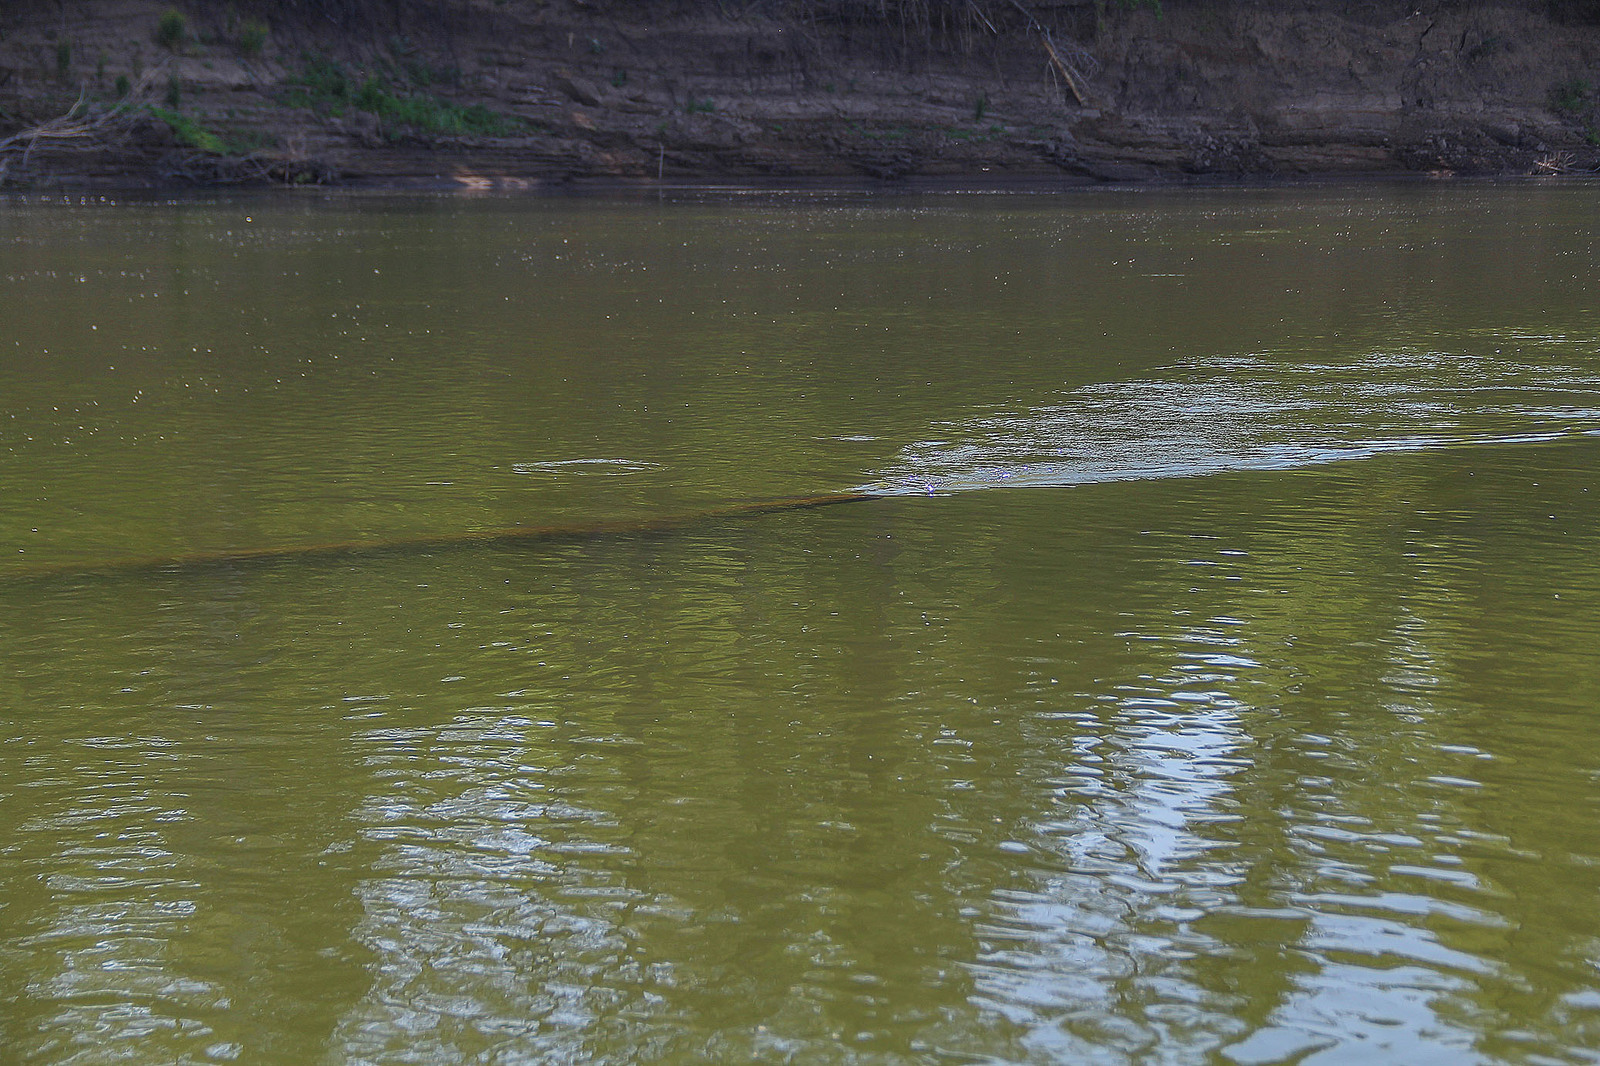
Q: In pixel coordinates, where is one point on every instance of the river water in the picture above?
(1214, 675)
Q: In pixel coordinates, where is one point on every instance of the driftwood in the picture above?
(1563, 163)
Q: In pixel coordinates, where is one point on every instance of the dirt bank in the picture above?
(510, 92)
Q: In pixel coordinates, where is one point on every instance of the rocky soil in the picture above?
(517, 93)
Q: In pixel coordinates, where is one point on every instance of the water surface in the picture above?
(1216, 679)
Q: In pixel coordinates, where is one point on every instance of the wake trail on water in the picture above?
(1249, 413)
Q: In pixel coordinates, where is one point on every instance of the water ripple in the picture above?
(1253, 413)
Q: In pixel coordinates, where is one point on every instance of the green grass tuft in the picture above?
(325, 85)
(186, 131)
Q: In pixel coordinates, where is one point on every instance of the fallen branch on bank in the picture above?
(84, 127)
(87, 128)
(1063, 69)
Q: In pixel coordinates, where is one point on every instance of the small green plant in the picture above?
(252, 38)
(980, 107)
(323, 84)
(619, 79)
(64, 60)
(246, 142)
(187, 131)
(1570, 96)
(174, 97)
(429, 114)
(172, 29)
(124, 87)
(694, 106)
(432, 115)
(372, 96)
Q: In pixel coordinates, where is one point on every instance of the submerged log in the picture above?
(337, 551)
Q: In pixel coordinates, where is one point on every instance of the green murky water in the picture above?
(1217, 680)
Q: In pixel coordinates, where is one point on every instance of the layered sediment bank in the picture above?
(509, 93)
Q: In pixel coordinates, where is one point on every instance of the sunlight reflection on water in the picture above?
(1291, 761)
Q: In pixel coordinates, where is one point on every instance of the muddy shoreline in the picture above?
(570, 94)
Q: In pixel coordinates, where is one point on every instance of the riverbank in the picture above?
(522, 93)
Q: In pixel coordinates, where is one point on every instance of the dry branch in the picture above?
(1062, 69)
(83, 128)
(1072, 65)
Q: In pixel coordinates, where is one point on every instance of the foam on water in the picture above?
(1258, 412)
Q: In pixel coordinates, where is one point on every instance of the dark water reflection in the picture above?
(1257, 732)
